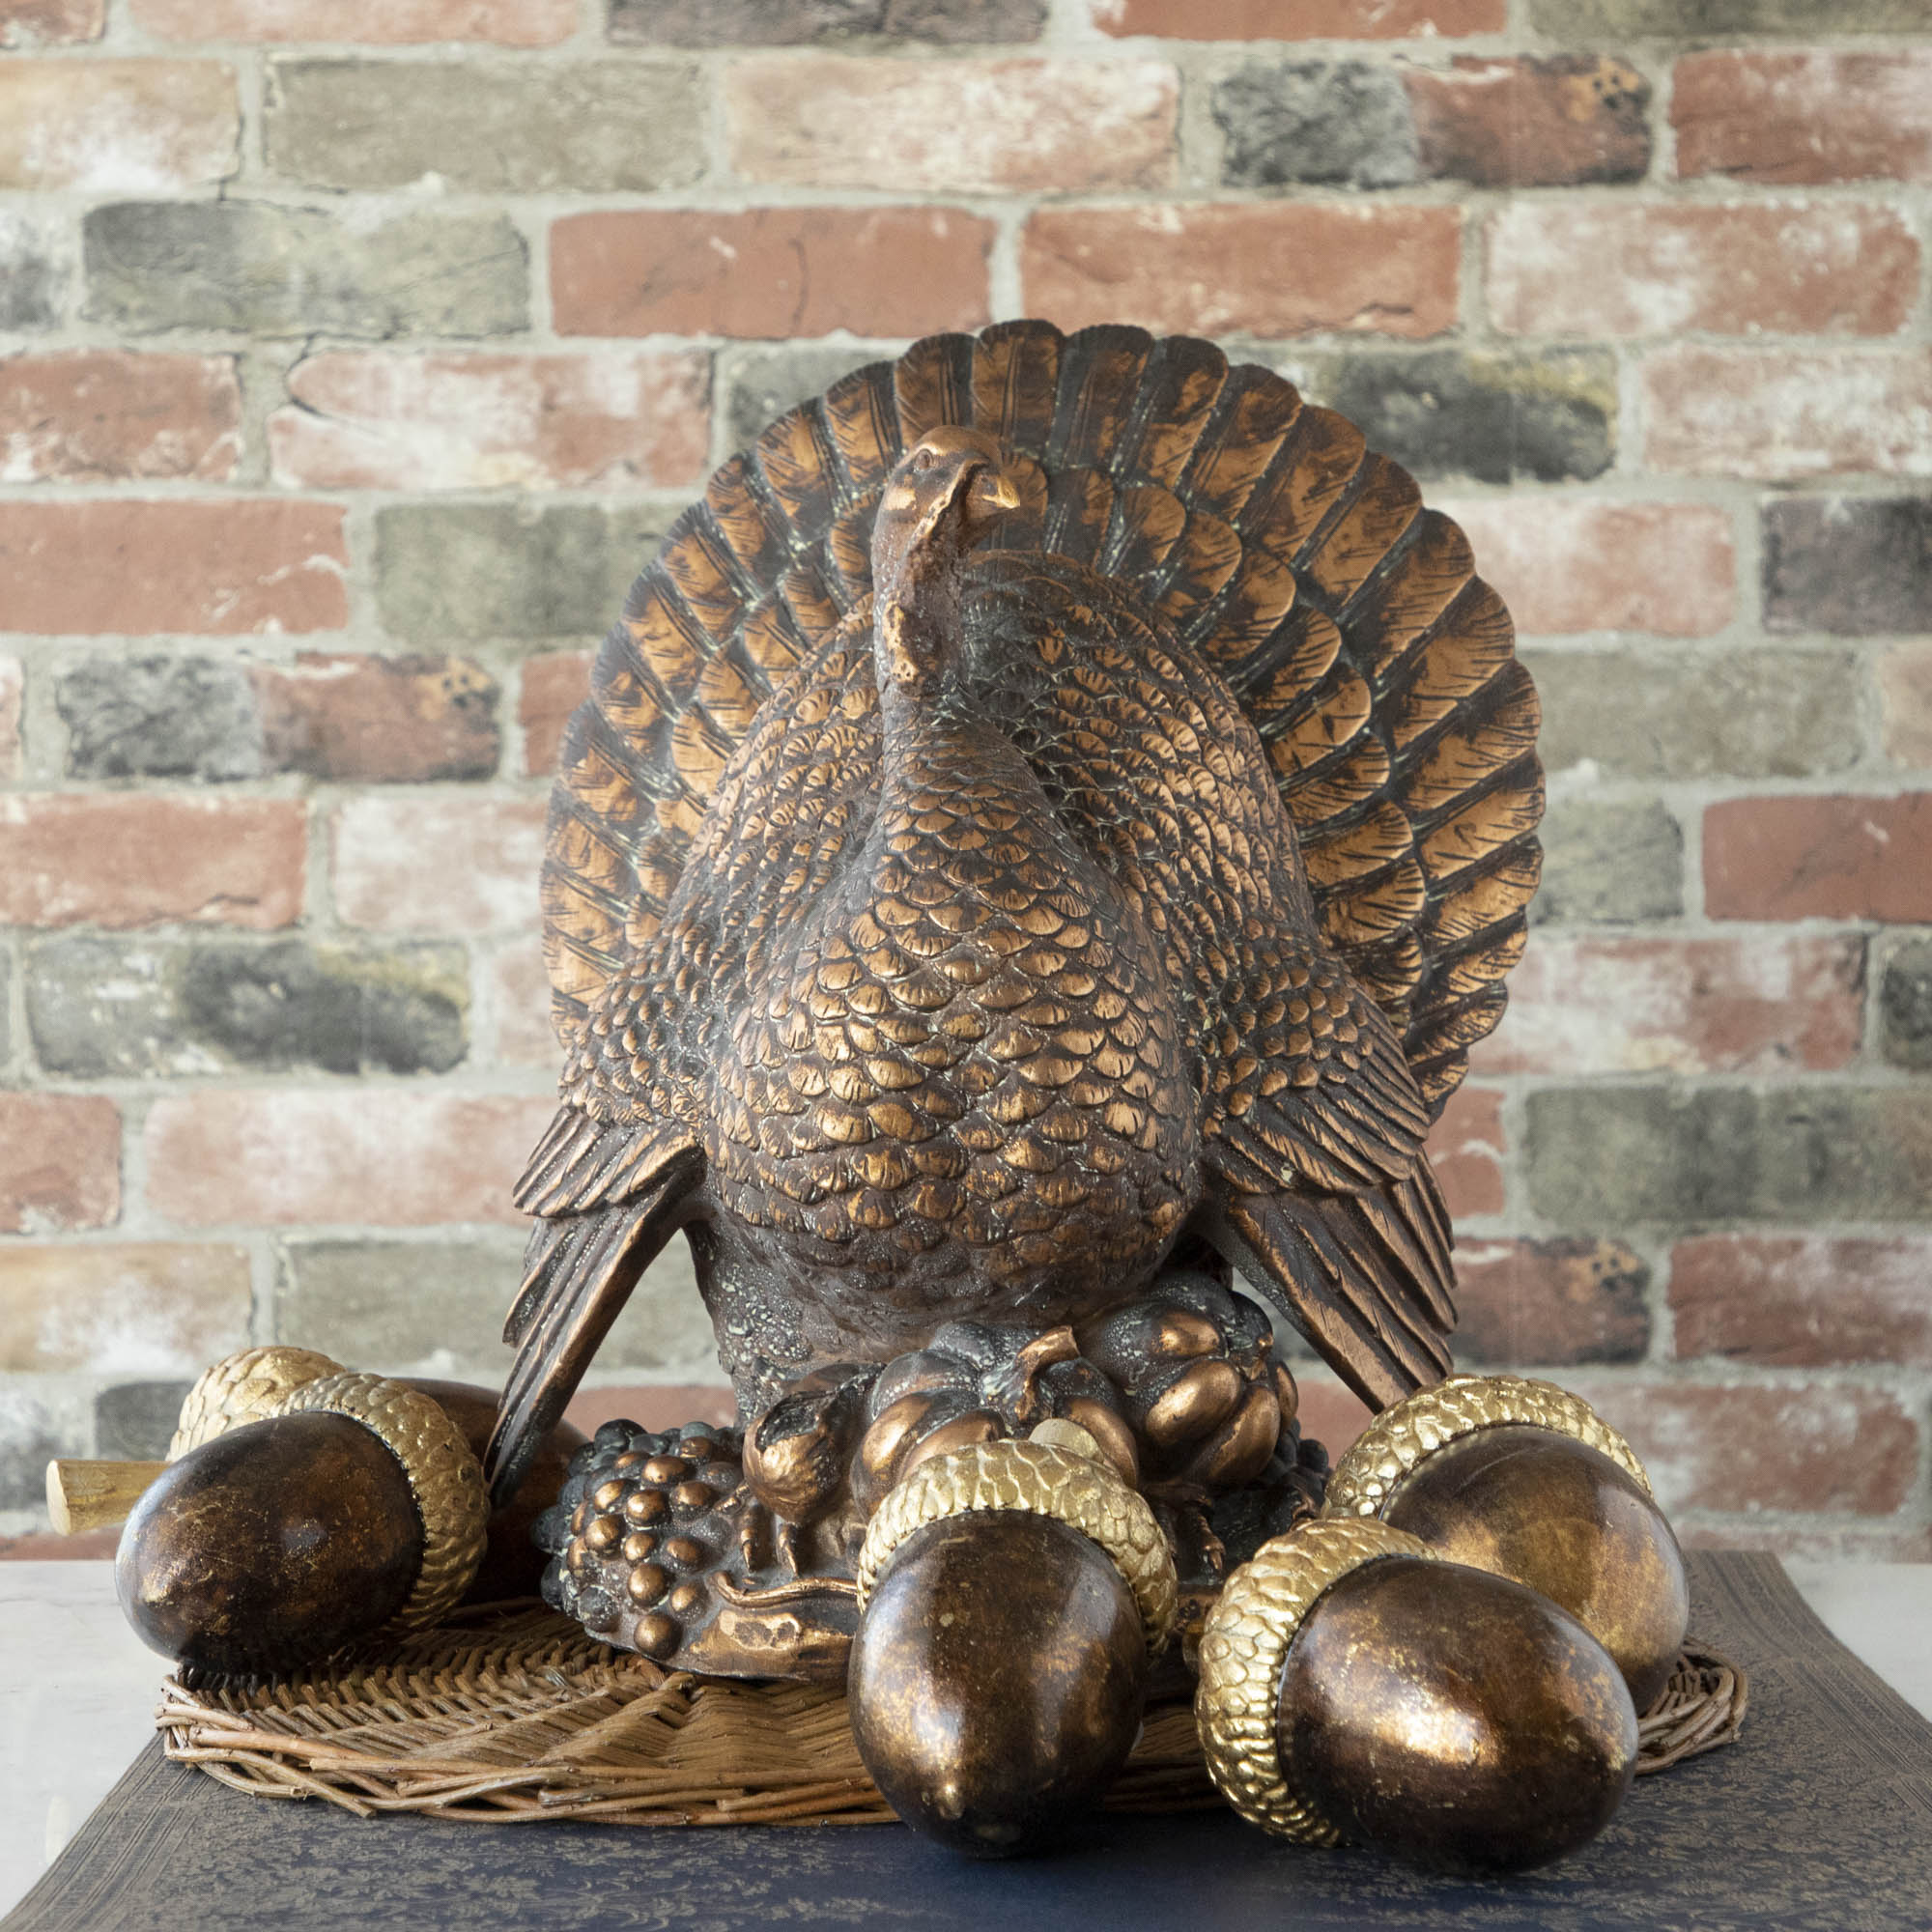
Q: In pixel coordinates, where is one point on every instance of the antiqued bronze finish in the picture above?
(446, 1480)
(190, 1569)
(1525, 1479)
(1243, 1648)
(997, 1679)
(1563, 1519)
(1059, 1473)
(271, 1545)
(1454, 1717)
(1054, 816)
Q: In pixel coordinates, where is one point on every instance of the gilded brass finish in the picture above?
(86, 1495)
(1454, 1717)
(1069, 1481)
(1398, 1440)
(1243, 1647)
(1057, 811)
(243, 1387)
(1561, 1517)
(446, 1480)
(997, 1680)
(270, 1546)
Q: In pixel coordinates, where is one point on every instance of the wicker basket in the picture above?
(510, 1712)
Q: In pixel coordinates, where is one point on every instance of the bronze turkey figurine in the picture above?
(1044, 836)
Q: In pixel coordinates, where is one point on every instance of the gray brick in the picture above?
(611, 127)
(136, 1420)
(1737, 714)
(762, 383)
(1575, 20)
(1609, 860)
(790, 23)
(1905, 1007)
(439, 1308)
(470, 570)
(160, 717)
(1610, 1156)
(1855, 566)
(33, 279)
(1450, 413)
(1316, 121)
(100, 1007)
(264, 270)
(31, 1435)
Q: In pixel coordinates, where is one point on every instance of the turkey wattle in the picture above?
(1057, 807)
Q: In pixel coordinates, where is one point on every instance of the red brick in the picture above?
(1801, 117)
(1543, 1304)
(60, 1163)
(1905, 691)
(101, 414)
(509, 23)
(9, 718)
(1823, 1446)
(1782, 413)
(111, 126)
(772, 272)
(387, 1158)
(953, 126)
(1680, 1006)
(366, 420)
(439, 864)
(1565, 566)
(1299, 19)
(1276, 268)
(124, 859)
(656, 1406)
(1611, 268)
(554, 687)
(151, 1309)
(519, 994)
(1331, 1414)
(362, 719)
(1804, 1301)
(28, 22)
(1819, 858)
(1465, 1148)
(1526, 122)
(131, 568)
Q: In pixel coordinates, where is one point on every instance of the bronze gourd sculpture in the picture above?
(1048, 828)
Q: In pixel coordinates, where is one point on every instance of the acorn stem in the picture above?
(96, 1495)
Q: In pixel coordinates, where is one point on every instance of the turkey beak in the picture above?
(990, 495)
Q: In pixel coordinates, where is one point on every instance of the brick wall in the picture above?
(354, 352)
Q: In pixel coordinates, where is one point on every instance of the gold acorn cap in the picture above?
(1406, 1435)
(1244, 1645)
(1058, 1473)
(247, 1386)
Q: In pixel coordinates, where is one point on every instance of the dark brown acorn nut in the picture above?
(1554, 1513)
(997, 1680)
(270, 1546)
(1453, 1717)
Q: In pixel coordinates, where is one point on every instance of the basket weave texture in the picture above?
(510, 1712)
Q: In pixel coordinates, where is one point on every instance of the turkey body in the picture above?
(986, 999)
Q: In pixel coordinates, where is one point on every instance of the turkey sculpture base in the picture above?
(729, 1552)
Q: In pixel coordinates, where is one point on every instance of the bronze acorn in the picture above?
(1057, 803)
